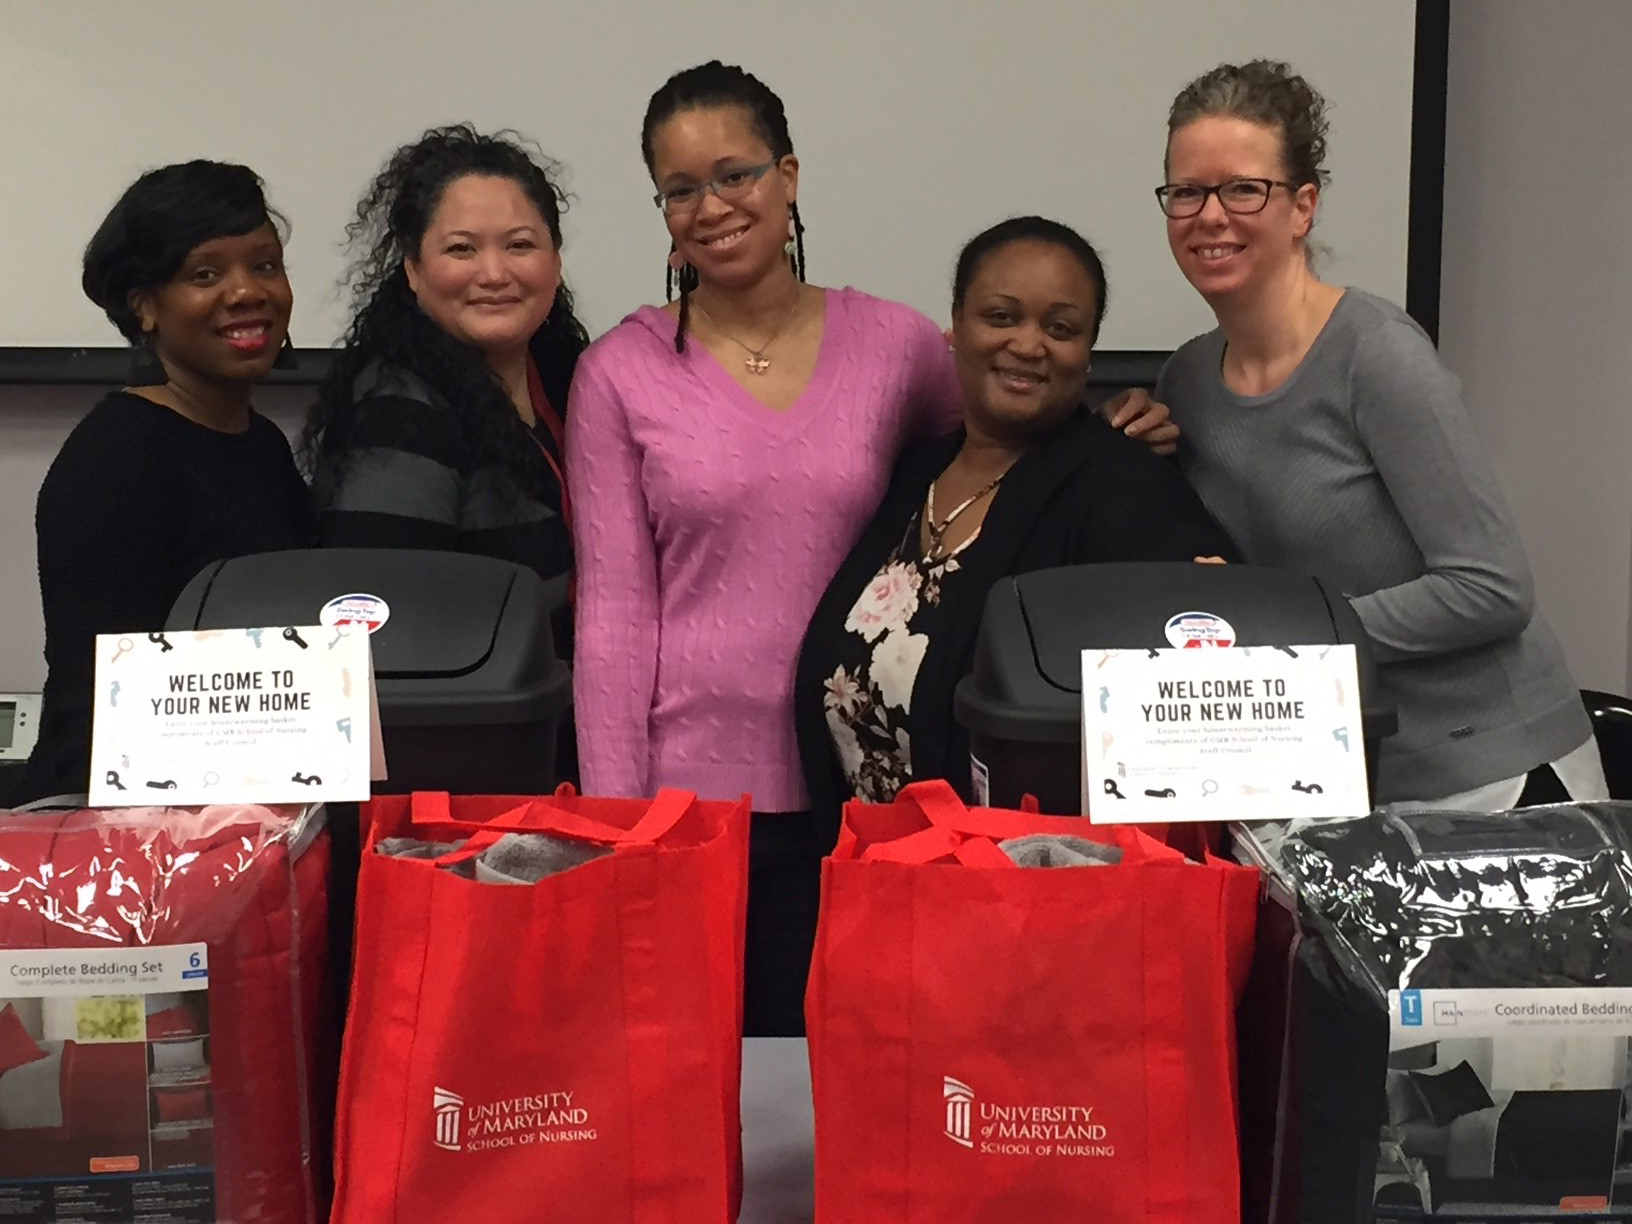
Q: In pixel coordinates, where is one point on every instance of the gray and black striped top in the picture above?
(412, 476)
(1364, 469)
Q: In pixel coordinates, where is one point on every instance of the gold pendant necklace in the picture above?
(756, 361)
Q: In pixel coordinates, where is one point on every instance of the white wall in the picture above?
(917, 125)
(1536, 305)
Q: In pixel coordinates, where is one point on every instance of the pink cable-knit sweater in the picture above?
(706, 528)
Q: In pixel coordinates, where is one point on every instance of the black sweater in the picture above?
(137, 502)
(1081, 493)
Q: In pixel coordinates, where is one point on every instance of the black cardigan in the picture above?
(1081, 493)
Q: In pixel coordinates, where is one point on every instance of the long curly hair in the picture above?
(388, 325)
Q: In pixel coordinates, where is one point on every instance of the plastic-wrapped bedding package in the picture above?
(1538, 897)
(1465, 1048)
(161, 973)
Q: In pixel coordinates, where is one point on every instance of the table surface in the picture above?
(778, 1129)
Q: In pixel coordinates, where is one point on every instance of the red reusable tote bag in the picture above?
(567, 1050)
(992, 1043)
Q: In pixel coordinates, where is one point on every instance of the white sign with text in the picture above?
(275, 715)
(1246, 733)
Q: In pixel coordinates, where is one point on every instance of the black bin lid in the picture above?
(1026, 682)
(468, 638)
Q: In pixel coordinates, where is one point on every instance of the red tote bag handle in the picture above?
(952, 825)
(543, 816)
(938, 842)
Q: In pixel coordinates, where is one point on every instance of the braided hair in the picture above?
(704, 87)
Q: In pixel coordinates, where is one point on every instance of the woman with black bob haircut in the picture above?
(176, 470)
(1033, 479)
(440, 423)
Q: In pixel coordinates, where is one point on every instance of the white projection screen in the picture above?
(917, 124)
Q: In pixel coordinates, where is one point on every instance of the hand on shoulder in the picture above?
(1142, 417)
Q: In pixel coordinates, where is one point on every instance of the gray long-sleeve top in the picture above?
(1363, 469)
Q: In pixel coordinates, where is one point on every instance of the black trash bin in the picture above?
(471, 693)
(1022, 701)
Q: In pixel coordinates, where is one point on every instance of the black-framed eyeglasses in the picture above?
(732, 185)
(1241, 196)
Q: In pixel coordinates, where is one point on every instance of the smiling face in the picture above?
(1024, 334)
(1221, 253)
(731, 243)
(487, 270)
(224, 315)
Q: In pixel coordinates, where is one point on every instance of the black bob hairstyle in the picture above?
(162, 216)
(1031, 229)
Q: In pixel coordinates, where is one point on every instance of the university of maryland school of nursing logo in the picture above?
(960, 1100)
(449, 1108)
(465, 1126)
(1022, 1130)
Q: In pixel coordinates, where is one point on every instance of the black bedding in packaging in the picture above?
(1535, 899)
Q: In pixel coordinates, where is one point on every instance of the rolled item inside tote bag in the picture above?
(563, 1049)
(990, 1042)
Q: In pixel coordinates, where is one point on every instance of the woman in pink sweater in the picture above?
(724, 453)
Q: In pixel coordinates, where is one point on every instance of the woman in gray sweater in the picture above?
(1326, 436)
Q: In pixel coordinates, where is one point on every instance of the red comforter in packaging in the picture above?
(201, 1092)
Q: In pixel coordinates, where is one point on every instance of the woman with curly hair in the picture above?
(440, 424)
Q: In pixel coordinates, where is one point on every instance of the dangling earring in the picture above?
(286, 359)
(677, 275)
(146, 370)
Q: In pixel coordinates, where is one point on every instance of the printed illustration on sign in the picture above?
(369, 611)
(547, 1117)
(1197, 630)
(1248, 733)
(1022, 1130)
(255, 715)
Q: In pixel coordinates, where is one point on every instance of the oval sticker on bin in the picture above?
(1196, 630)
(370, 611)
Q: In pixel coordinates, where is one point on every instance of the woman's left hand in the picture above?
(1142, 418)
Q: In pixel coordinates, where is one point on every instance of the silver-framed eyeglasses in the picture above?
(1241, 196)
(732, 185)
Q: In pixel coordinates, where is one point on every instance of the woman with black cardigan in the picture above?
(1034, 479)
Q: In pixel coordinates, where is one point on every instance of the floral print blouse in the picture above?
(869, 694)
